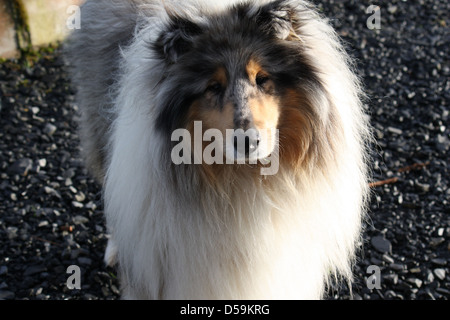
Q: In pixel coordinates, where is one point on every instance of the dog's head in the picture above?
(242, 70)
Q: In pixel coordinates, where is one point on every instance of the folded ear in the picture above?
(177, 38)
(276, 19)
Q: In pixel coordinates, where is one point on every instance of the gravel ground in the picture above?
(50, 209)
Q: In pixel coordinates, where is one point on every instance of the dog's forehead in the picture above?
(229, 52)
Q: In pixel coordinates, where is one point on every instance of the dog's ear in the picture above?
(177, 38)
(276, 19)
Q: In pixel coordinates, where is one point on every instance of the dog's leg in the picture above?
(111, 253)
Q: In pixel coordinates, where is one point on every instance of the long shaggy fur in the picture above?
(178, 235)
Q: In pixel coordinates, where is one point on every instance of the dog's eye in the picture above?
(261, 80)
(215, 88)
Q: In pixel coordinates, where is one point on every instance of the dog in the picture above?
(273, 75)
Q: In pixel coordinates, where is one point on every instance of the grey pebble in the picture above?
(21, 166)
(388, 259)
(439, 273)
(77, 204)
(397, 267)
(381, 244)
(34, 270)
(391, 278)
(414, 281)
(6, 295)
(84, 260)
(49, 129)
(437, 241)
(3, 270)
(439, 261)
(395, 130)
(78, 219)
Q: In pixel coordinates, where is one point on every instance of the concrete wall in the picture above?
(7, 32)
(26, 23)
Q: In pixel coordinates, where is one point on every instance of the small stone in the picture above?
(430, 277)
(91, 205)
(84, 260)
(70, 173)
(439, 273)
(387, 259)
(381, 244)
(391, 278)
(436, 241)
(68, 182)
(404, 286)
(11, 232)
(442, 143)
(439, 262)
(423, 186)
(43, 224)
(49, 129)
(395, 130)
(390, 294)
(38, 291)
(80, 197)
(80, 219)
(22, 166)
(88, 296)
(443, 291)
(415, 270)
(42, 163)
(74, 254)
(51, 191)
(392, 9)
(35, 110)
(106, 292)
(77, 204)
(115, 290)
(3, 270)
(7, 295)
(397, 267)
(375, 261)
(34, 270)
(415, 282)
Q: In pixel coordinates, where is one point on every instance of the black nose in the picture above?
(246, 142)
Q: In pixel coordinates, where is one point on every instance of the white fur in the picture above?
(280, 238)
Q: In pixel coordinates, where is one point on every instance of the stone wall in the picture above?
(32, 23)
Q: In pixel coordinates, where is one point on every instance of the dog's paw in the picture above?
(111, 253)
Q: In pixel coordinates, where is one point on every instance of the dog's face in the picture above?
(243, 74)
(241, 102)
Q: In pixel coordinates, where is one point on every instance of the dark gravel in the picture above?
(51, 214)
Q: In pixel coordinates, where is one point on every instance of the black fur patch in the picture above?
(177, 39)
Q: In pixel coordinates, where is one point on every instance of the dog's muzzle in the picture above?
(246, 143)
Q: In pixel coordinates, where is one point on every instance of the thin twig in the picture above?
(383, 182)
(44, 240)
(415, 166)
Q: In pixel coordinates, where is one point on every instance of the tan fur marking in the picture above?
(211, 119)
(296, 132)
(265, 111)
(254, 69)
(220, 76)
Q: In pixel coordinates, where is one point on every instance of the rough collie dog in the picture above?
(271, 74)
